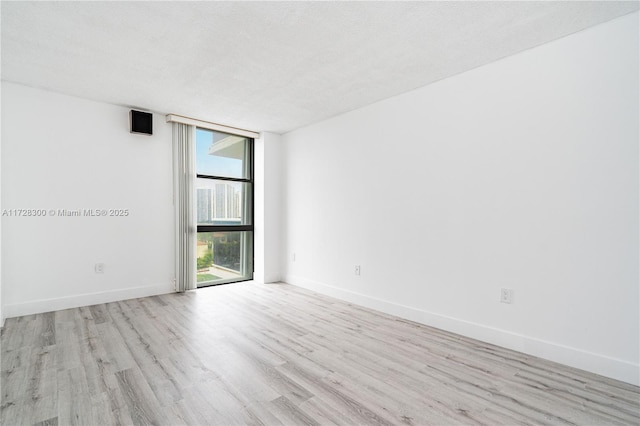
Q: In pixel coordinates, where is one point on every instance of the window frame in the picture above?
(230, 228)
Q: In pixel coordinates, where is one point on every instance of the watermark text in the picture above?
(65, 212)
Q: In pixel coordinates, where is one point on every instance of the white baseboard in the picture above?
(78, 300)
(606, 366)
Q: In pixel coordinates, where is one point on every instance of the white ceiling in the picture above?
(272, 66)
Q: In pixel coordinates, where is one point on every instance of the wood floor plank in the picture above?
(21, 335)
(219, 403)
(289, 413)
(324, 413)
(53, 421)
(11, 413)
(259, 413)
(277, 354)
(142, 404)
(74, 401)
(15, 358)
(14, 384)
(180, 414)
(99, 313)
(114, 403)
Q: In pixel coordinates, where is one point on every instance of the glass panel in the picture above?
(224, 257)
(222, 154)
(221, 202)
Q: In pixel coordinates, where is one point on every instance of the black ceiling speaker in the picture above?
(141, 122)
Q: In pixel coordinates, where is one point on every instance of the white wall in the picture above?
(268, 205)
(1, 220)
(62, 152)
(520, 174)
(273, 208)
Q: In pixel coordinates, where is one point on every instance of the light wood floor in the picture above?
(276, 354)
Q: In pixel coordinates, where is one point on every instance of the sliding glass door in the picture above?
(224, 207)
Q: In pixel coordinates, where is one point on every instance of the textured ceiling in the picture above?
(271, 66)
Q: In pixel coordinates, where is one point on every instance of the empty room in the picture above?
(320, 213)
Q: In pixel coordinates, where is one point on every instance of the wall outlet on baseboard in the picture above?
(357, 270)
(506, 295)
(99, 268)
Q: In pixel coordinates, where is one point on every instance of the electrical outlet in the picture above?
(357, 269)
(506, 295)
(99, 268)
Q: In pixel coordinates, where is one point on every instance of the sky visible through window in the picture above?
(213, 164)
